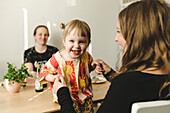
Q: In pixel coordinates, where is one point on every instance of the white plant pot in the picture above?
(12, 87)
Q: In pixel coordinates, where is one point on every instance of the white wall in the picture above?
(101, 15)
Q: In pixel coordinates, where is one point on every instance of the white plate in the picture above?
(98, 80)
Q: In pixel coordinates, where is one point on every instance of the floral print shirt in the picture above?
(31, 55)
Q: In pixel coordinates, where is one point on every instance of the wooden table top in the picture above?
(29, 101)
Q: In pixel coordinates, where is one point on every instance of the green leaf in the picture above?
(17, 75)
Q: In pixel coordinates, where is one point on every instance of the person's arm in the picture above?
(109, 75)
(29, 67)
(118, 98)
(103, 68)
(90, 60)
(65, 100)
(28, 61)
(63, 94)
(49, 71)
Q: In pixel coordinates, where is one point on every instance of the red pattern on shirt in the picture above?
(72, 77)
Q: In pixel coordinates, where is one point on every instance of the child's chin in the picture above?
(75, 56)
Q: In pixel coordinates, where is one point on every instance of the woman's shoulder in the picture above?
(128, 80)
(52, 48)
(48, 46)
(31, 49)
(128, 75)
(137, 76)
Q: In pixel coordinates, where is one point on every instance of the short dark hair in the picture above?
(39, 27)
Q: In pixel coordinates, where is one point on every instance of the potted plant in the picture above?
(14, 78)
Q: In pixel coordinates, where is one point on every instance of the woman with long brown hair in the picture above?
(143, 30)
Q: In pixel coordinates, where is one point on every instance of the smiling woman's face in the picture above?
(41, 36)
(119, 37)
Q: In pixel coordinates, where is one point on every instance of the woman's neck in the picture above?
(154, 71)
(40, 48)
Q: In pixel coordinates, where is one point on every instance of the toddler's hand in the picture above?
(101, 67)
(51, 78)
(58, 83)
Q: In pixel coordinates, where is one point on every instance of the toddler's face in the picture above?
(75, 45)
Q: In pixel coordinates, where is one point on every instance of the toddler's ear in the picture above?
(63, 39)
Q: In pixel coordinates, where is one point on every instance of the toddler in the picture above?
(74, 63)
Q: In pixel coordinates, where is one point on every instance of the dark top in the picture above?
(125, 89)
(31, 55)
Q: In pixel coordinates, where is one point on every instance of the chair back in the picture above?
(159, 106)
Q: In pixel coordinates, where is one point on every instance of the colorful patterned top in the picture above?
(31, 55)
(76, 74)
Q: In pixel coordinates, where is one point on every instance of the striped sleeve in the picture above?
(50, 68)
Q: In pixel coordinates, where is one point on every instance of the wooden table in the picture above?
(100, 90)
(29, 101)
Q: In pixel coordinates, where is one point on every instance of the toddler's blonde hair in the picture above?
(81, 27)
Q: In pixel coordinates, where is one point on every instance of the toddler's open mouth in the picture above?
(76, 52)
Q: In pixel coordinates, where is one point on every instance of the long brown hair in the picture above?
(145, 25)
